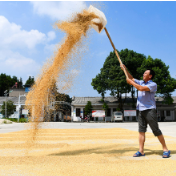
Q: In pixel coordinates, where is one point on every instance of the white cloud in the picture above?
(13, 40)
(13, 63)
(50, 48)
(58, 10)
(12, 36)
(51, 35)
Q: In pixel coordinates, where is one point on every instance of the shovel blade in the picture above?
(98, 23)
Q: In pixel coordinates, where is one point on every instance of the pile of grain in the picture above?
(42, 91)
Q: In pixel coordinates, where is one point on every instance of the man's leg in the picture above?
(162, 141)
(142, 129)
(152, 120)
(141, 142)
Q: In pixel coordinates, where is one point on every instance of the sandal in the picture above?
(166, 154)
(138, 154)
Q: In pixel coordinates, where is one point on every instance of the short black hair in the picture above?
(152, 73)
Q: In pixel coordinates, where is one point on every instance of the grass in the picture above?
(7, 122)
(21, 120)
(11, 119)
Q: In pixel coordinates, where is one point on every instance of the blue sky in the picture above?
(28, 38)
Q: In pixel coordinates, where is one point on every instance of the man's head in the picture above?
(148, 75)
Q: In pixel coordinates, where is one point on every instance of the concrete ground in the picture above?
(168, 128)
(83, 149)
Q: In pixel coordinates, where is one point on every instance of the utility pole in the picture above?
(19, 105)
(6, 107)
(6, 93)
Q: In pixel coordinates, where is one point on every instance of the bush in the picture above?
(11, 119)
(7, 122)
(23, 120)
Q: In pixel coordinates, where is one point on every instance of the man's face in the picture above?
(147, 76)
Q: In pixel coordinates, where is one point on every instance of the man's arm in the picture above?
(129, 75)
(137, 86)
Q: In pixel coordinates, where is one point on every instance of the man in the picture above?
(147, 109)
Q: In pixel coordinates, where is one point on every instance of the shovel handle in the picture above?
(118, 57)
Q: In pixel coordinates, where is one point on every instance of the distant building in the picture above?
(16, 96)
(164, 112)
(15, 92)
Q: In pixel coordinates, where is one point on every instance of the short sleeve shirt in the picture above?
(146, 99)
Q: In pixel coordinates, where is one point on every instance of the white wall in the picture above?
(73, 114)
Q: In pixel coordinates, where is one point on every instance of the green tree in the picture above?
(105, 107)
(62, 97)
(20, 83)
(5, 83)
(165, 83)
(65, 98)
(111, 77)
(133, 61)
(10, 108)
(99, 84)
(30, 81)
(88, 108)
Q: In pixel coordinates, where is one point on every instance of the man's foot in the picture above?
(166, 154)
(138, 154)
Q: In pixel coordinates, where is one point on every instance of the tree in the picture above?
(133, 61)
(20, 83)
(10, 108)
(112, 78)
(99, 84)
(165, 84)
(88, 108)
(105, 107)
(62, 97)
(5, 83)
(64, 107)
(30, 81)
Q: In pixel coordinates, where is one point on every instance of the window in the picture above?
(114, 109)
(78, 112)
(167, 113)
(118, 113)
(109, 112)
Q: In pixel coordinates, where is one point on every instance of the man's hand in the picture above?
(122, 66)
(129, 81)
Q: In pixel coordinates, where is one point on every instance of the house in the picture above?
(164, 111)
(17, 96)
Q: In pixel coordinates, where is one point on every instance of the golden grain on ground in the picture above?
(106, 152)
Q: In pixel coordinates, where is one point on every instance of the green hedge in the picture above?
(21, 120)
(11, 119)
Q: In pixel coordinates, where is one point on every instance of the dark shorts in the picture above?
(149, 117)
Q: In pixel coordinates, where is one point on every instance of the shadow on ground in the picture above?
(108, 150)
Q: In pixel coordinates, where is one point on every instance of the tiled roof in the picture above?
(109, 100)
(81, 100)
(95, 100)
